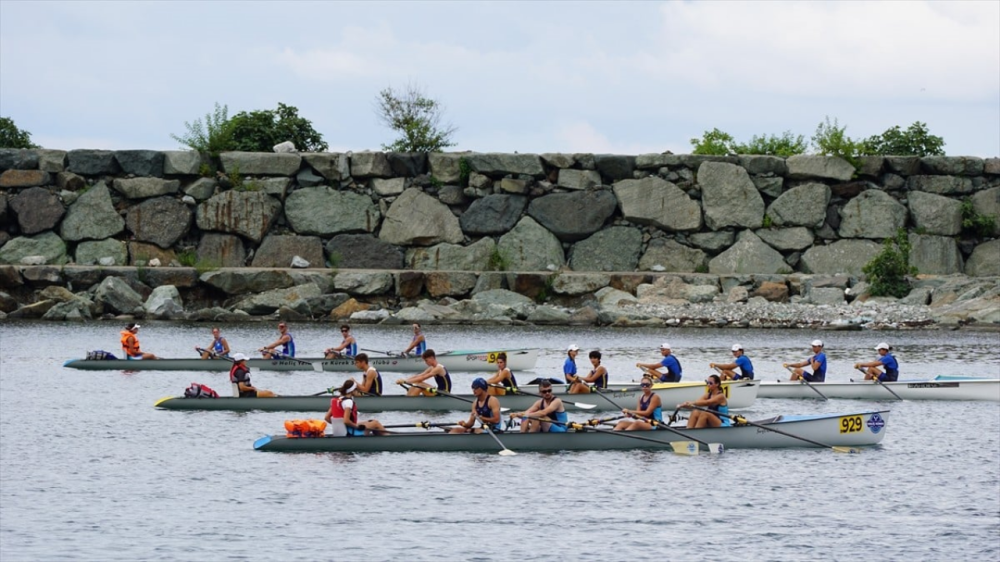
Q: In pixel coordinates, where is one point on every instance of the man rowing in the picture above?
(547, 415)
(283, 347)
(597, 378)
(817, 363)
(714, 401)
(669, 362)
(434, 370)
(418, 345)
(741, 362)
(219, 348)
(343, 415)
(649, 408)
(130, 343)
(239, 375)
(503, 382)
(371, 379)
(348, 346)
(886, 361)
(485, 409)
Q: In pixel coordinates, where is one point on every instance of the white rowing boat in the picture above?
(940, 388)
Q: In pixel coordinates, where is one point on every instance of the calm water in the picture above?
(90, 471)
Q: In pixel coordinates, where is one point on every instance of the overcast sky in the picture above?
(624, 78)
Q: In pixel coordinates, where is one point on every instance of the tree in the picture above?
(260, 131)
(886, 272)
(914, 141)
(416, 118)
(13, 137)
(213, 136)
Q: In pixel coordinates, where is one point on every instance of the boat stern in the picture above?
(262, 442)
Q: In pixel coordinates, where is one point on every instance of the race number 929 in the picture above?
(851, 424)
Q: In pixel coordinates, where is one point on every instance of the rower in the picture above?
(569, 366)
(741, 362)
(669, 362)
(343, 415)
(418, 345)
(435, 370)
(650, 407)
(130, 343)
(239, 375)
(219, 348)
(714, 400)
(285, 341)
(503, 382)
(348, 346)
(371, 381)
(817, 363)
(886, 361)
(550, 408)
(485, 408)
(596, 379)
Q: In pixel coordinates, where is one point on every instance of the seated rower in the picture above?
(418, 345)
(714, 400)
(343, 415)
(649, 407)
(886, 361)
(219, 348)
(597, 378)
(435, 370)
(817, 363)
(503, 382)
(130, 343)
(239, 375)
(485, 409)
(371, 379)
(669, 362)
(549, 407)
(348, 346)
(741, 362)
(569, 366)
(283, 347)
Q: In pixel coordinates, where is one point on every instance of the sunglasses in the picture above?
(548, 391)
(344, 331)
(645, 385)
(709, 382)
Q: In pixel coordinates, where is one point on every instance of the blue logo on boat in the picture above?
(876, 423)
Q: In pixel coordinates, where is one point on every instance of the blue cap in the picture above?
(480, 383)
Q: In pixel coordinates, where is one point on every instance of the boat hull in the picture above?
(864, 429)
(934, 389)
(741, 395)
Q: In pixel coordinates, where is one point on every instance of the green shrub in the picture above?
(773, 145)
(260, 131)
(768, 222)
(887, 271)
(464, 170)
(435, 183)
(914, 141)
(499, 261)
(187, 258)
(206, 170)
(13, 137)
(831, 139)
(204, 266)
(416, 118)
(714, 143)
(213, 136)
(975, 224)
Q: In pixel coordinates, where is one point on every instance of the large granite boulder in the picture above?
(729, 197)
(578, 179)
(247, 213)
(24, 178)
(182, 162)
(387, 187)
(573, 216)
(713, 241)
(804, 205)
(987, 203)
(417, 219)
(841, 257)
(497, 164)
(141, 162)
(278, 251)
(221, 250)
(873, 214)
(92, 216)
(493, 214)
(201, 188)
(407, 164)
(474, 257)
(613, 249)
(92, 252)
(935, 255)
(260, 163)
(663, 254)
(942, 185)
(748, 255)
(164, 302)
(952, 165)
(37, 210)
(530, 247)
(141, 253)
(162, 221)
(615, 167)
(48, 246)
(323, 211)
(370, 165)
(117, 296)
(363, 251)
(761, 164)
(657, 202)
(935, 214)
(806, 166)
(444, 167)
(449, 283)
(579, 283)
(92, 162)
(331, 165)
(668, 289)
(240, 281)
(142, 188)
(270, 301)
(985, 260)
(363, 282)
(786, 239)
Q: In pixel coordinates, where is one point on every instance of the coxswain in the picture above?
(547, 415)
(348, 346)
(485, 409)
(569, 365)
(219, 348)
(669, 362)
(342, 416)
(886, 361)
(239, 375)
(714, 400)
(817, 363)
(596, 379)
(503, 382)
(418, 345)
(130, 343)
(740, 361)
(434, 369)
(649, 407)
(283, 347)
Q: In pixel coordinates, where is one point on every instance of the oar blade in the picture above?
(507, 453)
(847, 450)
(685, 447)
(584, 405)
(716, 448)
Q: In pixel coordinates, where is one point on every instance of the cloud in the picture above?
(581, 136)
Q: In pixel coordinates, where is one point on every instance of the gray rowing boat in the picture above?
(940, 388)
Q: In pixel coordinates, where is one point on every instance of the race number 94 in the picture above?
(851, 424)
(491, 357)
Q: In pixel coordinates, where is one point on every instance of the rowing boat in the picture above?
(458, 361)
(940, 388)
(741, 395)
(835, 430)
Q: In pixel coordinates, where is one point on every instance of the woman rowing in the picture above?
(348, 346)
(485, 408)
(503, 382)
(239, 375)
(547, 415)
(343, 415)
(219, 348)
(714, 401)
(649, 408)
(434, 370)
(371, 379)
(596, 379)
(886, 361)
(418, 345)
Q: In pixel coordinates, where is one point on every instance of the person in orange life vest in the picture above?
(239, 375)
(130, 343)
(434, 369)
(343, 415)
(485, 408)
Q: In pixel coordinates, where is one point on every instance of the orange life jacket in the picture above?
(130, 349)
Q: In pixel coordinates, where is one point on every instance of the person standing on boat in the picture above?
(347, 348)
(485, 408)
(219, 348)
(343, 415)
(569, 366)
(817, 363)
(418, 345)
(239, 375)
(434, 370)
(886, 361)
(596, 379)
(285, 341)
(550, 407)
(741, 362)
(371, 380)
(649, 407)
(130, 343)
(503, 382)
(669, 362)
(713, 400)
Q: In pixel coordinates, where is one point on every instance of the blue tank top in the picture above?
(560, 417)
(484, 411)
(891, 368)
(421, 347)
(352, 349)
(602, 382)
(217, 347)
(376, 388)
(288, 349)
(443, 381)
(657, 412)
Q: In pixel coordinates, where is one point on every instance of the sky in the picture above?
(616, 77)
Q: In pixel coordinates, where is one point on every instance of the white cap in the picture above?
(239, 357)
(737, 347)
(817, 343)
(573, 347)
(664, 345)
(882, 345)
(136, 327)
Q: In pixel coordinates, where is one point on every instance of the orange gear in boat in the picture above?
(130, 344)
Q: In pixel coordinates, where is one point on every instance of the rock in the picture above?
(141, 188)
(180, 277)
(500, 164)
(748, 255)
(162, 221)
(164, 302)
(347, 309)
(985, 260)
(276, 187)
(772, 187)
(611, 297)
(92, 216)
(307, 178)
(841, 257)
(729, 197)
(493, 214)
(141, 162)
(270, 301)
(453, 257)
(445, 167)
(92, 252)
(530, 247)
(615, 167)
(919, 296)
(806, 166)
(323, 304)
(531, 285)
(181, 162)
(409, 284)
(69, 181)
(52, 161)
(657, 202)
(669, 288)
(873, 214)
(852, 189)
(331, 165)
(10, 278)
(672, 256)
(548, 315)
(77, 308)
(772, 291)
(804, 205)
(241, 281)
(786, 239)
(278, 251)
(286, 147)
(18, 159)
(370, 164)
(33, 260)
(363, 251)
(372, 317)
(221, 250)
(936, 214)
(579, 283)
(713, 241)
(117, 296)
(942, 185)
(987, 203)
(92, 162)
(388, 187)
(449, 283)
(573, 216)
(903, 165)
(508, 303)
(991, 166)
(407, 164)
(363, 283)
(260, 163)
(490, 280)
(738, 294)
(33, 310)
(830, 296)
(143, 254)
(578, 179)
(452, 195)
(558, 160)
(48, 245)
(952, 165)
(24, 178)
(756, 164)
(249, 214)
(37, 210)
(511, 185)
(417, 219)
(202, 188)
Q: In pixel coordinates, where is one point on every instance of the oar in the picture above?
(679, 447)
(879, 382)
(805, 382)
(422, 425)
(318, 367)
(742, 420)
(504, 451)
(443, 393)
(618, 407)
(581, 405)
(210, 353)
(389, 353)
